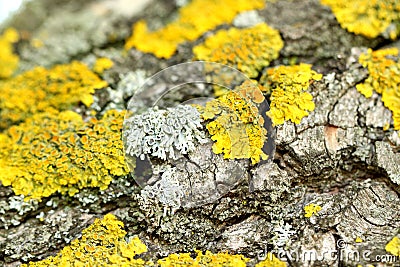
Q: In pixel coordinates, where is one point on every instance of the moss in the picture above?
(383, 67)
(40, 90)
(271, 261)
(8, 60)
(102, 64)
(368, 18)
(235, 125)
(194, 20)
(102, 244)
(287, 86)
(60, 152)
(311, 209)
(207, 259)
(393, 246)
(248, 50)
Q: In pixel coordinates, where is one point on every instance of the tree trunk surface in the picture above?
(338, 157)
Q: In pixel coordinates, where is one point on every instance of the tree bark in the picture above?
(338, 157)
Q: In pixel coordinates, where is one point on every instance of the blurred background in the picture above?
(8, 7)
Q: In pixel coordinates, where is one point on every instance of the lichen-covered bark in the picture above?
(338, 157)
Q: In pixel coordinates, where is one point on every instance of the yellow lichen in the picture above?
(207, 259)
(194, 20)
(39, 90)
(367, 17)
(271, 261)
(248, 50)
(235, 125)
(288, 85)
(393, 246)
(384, 68)
(102, 244)
(53, 151)
(8, 60)
(102, 64)
(311, 209)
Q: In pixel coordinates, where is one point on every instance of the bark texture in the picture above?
(338, 157)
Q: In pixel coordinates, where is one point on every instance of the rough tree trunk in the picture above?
(338, 157)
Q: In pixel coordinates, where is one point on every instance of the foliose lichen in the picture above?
(52, 152)
(393, 246)
(311, 209)
(207, 259)
(166, 190)
(102, 244)
(288, 88)
(196, 18)
(234, 123)
(8, 60)
(249, 50)
(369, 18)
(164, 133)
(383, 67)
(41, 90)
(102, 64)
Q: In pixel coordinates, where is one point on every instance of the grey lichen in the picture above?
(164, 133)
(166, 190)
(13, 210)
(283, 233)
(388, 160)
(269, 177)
(127, 86)
(247, 19)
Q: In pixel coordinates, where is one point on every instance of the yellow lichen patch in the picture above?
(384, 68)
(52, 152)
(358, 240)
(248, 50)
(39, 90)
(235, 125)
(194, 19)
(271, 261)
(8, 60)
(367, 17)
(102, 244)
(207, 259)
(393, 246)
(311, 209)
(288, 85)
(102, 64)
